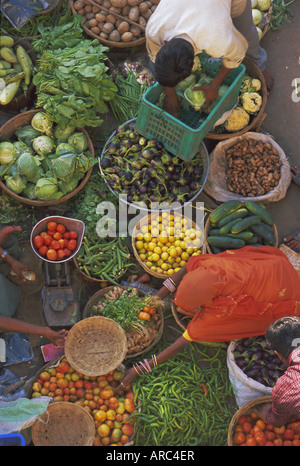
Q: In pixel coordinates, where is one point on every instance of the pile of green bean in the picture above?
(184, 405)
(104, 259)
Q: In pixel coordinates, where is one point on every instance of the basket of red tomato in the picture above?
(57, 239)
(248, 429)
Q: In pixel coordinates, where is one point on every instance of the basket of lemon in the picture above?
(163, 242)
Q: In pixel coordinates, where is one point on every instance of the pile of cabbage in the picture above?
(44, 161)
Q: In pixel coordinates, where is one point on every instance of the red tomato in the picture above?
(251, 442)
(47, 239)
(72, 244)
(260, 423)
(51, 254)
(60, 228)
(288, 434)
(242, 419)
(38, 241)
(270, 435)
(61, 243)
(66, 235)
(269, 444)
(43, 250)
(287, 443)
(54, 244)
(246, 426)
(277, 442)
(67, 252)
(50, 232)
(295, 426)
(60, 253)
(73, 234)
(52, 226)
(57, 235)
(260, 438)
(296, 442)
(144, 315)
(269, 426)
(279, 430)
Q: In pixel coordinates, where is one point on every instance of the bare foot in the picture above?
(293, 241)
(6, 231)
(296, 175)
(269, 80)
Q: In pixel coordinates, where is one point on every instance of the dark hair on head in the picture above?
(283, 335)
(174, 62)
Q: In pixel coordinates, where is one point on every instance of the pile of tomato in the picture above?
(55, 243)
(252, 431)
(96, 395)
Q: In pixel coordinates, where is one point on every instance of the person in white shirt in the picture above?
(180, 29)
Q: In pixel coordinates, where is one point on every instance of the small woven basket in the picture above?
(145, 221)
(96, 345)
(8, 131)
(94, 300)
(64, 424)
(244, 410)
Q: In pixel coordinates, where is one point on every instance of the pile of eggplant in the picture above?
(144, 171)
(255, 358)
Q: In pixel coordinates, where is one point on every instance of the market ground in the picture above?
(282, 123)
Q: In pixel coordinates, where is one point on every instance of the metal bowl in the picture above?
(69, 223)
(202, 149)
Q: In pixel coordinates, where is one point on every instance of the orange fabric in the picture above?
(238, 293)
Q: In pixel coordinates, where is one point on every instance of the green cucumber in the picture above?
(240, 213)
(255, 239)
(245, 235)
(227, 227)
(264, 231)
(245, 223)
(258, 210)
(214, 232)
(225, 242)
(224, 209)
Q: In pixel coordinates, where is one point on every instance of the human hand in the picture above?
(210, 93)
(128, 378)
(57, 338)
(18, 268)
(261, 410)
(6, 231)
(171, 102)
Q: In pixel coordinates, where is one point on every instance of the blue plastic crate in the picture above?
(12, 440)
(183, 136)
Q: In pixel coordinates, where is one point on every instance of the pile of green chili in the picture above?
(183, 404)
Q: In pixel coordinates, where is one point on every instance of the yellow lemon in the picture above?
(171, 260)
(160, 262)
(179, 250)
(173, 252)
(147, 237)
(164, 256)
(185, 256)
(140, 236)
(157, 250)
(139, 244)
(170, 271)
(155, 232)
(165, 266)
(144, 229)
(155, 257)
(182, 263)
(149, 264)
(143, 257)
(164, 248)
(151, 245)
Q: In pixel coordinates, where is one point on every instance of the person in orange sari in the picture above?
(231, 295)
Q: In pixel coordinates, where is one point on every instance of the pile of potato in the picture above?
(116, 20)
(253, 168)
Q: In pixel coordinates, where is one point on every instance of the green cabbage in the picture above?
(8, 152)
(29, 191)
(26, 134)
(16, 183)
(62, 133)
(46, 189)
(67, 186)
(195, 98)
(64, 166)
(27, 165)
(64, 148)
(21, 147)
(222, 91)
(187, 82)
(78, 141)
(41, 122)
(43, 145)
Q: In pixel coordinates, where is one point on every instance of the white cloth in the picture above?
(206, 24)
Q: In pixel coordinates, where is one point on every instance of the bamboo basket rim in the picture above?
(142, 222)
(51, 8)
(6, 129)
(93, 279)
(71, 418)
(95, 299)
(110, 43)
(79, 336)
(207, 227)
(267, 16)
(251, 67)
(243, 410)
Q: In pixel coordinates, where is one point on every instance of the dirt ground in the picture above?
(282, 123)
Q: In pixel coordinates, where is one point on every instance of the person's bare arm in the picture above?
(211, 89)
(171, 102)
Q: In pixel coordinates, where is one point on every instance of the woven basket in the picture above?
(8, 130)
(56, 3)
(96, 298)
(110, 43)
(26, 98)
(96, 345)
(64, 424)
(266, 21)
(244, 410)
(253, 71)
(208, 226)
(145, 221)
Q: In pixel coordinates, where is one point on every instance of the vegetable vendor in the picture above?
(231, 295)
(11, 293)
(180, 29)
(283, 336)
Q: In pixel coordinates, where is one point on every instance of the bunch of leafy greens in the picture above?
(72, 84)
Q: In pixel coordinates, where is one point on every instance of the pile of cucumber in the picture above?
(235, 224)
(15, 69)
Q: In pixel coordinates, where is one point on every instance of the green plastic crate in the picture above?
(182, 136)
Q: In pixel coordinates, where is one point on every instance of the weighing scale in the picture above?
(60, 305)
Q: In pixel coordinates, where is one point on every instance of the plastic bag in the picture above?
(21, 414)
(19, 12)
(216, 184)
(18, 348)
(244, 388)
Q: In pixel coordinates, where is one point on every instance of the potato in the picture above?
(143, 7)
(95, 30)
(88, 8)
(118, 3)
(81, 12)
(108, 27)
(123, 27)
(114, 36)
(90, 15)
(103, 35)
(155, 2)
(125, 10)
(134, 13)
(136, 31)
(127, 37)
(96, 9)
(115, 10)
(134, 2)
(142, 21)
(106, 4)
(101, 17)
(79, 4)
(93, 22)
(111, 19)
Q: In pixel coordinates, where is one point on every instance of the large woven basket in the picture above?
(96, 298)
(96, 345)
(145, 221)
(244, 410)
(8, 131)
(253, 71)
(206, 247)
(64, 424)
(25, 99)
(104, 41)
